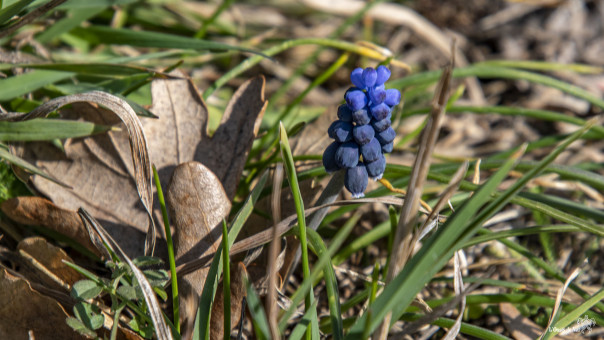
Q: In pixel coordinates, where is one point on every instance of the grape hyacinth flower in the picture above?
(363, 132)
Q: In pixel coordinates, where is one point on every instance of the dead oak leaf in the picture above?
(99, 168)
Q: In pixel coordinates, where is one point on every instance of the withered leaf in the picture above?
(100, 170)
(197, 204)
(24, 309)
(51, 257)
(227, 151)
(40, 211)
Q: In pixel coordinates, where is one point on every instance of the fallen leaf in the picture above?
(227, 152)
(197, 204)
(99, 168)
(32, 210)
(24, 310)
(106, 189)
(51, 257)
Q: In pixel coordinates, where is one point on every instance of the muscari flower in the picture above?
(363, 133)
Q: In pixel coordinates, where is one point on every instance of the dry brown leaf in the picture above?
(42, 212)
(100, 170)
(24, 309)
(197, 204)
(109, 194)
(51, 257)
(238, 292)
(227, 151)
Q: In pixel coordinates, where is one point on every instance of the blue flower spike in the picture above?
(363, 133)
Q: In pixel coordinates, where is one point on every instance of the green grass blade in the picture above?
(9, 157)
(261, 327)
(475, 331)
(74, 18)
(323, 265)
(302, 326)
(170, 245)
(543, 66)
(41, 129)
(104, 69)
(120, 36)
(333, 297)
(226, 282)
(521, 298)
(514, 111)
(558, 228)
(7, 13)
(492, 72)
(252, 61)
(290, 169)
(29, 82)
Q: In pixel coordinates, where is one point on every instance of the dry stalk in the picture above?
(274, 250)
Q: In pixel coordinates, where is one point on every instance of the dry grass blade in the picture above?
(458, 287)
(137, 139)
(444, 199)
(407, 221)
(271, 298)
(161, 328)
(559, 296)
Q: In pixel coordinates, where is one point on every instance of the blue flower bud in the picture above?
(380, 111)
(356, 77)
(342, 132)
(375, 169)
(393, 97)
(363, 134)
(356, 180)
(381, 125)
(386, 136)
(344, 113)
(387, 148)
(383, 73)
(355, 98)
(361, 117)
(377, 95)
(369, 77)
(371, 151)
(347, 155)
(329, 157)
